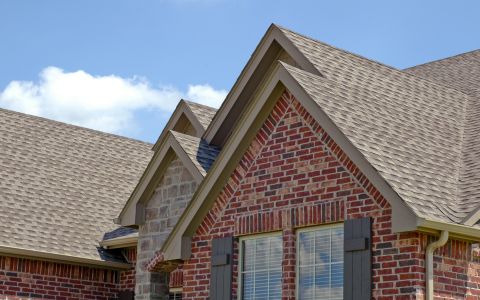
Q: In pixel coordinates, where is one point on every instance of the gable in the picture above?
(188, 118)
(174, 145)
(293, 173)
(273, 47)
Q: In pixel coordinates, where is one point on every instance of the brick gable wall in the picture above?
(22, 278)
(294, 175)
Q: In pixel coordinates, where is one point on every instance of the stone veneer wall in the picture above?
(162, 212)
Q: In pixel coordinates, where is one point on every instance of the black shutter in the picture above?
(221, 272)
(126, 295)
(358, 259)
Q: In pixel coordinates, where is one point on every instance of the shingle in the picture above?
(200, 152)
(412, 130)
(62, 185)
(204, 113)
(463, 73)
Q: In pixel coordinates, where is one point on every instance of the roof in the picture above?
(415, 137)
(189, 117)
(463, 73)
(203, 113)
(61, 185)
(181, 137)
(200, 152)
(409, 129)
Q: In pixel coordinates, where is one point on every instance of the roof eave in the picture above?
(120, 242)
(61, 258)
(456, 230)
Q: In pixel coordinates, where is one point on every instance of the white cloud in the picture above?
(106, 103)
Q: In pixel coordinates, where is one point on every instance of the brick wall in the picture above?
(127, 278)
(294, 175)
(162, 212)
(25, 279)
(456, 271)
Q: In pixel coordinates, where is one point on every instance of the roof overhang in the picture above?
(61, 258)
(132, 213)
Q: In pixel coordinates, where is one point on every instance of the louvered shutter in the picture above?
(357, 259)
(221, 272)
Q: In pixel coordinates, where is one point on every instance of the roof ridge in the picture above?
(400, 71)
(442, 59)
(99, 132)
(337, 48)
(199, 104)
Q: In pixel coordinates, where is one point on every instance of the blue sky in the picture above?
(120, 66)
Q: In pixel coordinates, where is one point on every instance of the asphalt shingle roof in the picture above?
(62, 185)
(200, 152)
(203, 113)
(463, 73)
(414, 131)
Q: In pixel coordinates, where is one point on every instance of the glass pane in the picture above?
(261, 254)
(306, 282)
(262, 268)
(248, 252)
(322, 247)
(337, 275)
(337, 245)
(320, 264)
(336, 281)
(261, 285)
(247, 284)
(307, 242)
(275, 289)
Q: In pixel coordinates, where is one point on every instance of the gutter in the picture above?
(61, 258)
(429, 258)
(121, 242)
(455, 230)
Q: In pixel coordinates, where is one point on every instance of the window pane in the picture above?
(262, 268)
(275, 287)
(175, 296)
(320, 264)
(337, 245)
(322, 247)
(307, 240)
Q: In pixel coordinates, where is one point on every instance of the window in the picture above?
(261, 267)
(175, 294)
(320, 263)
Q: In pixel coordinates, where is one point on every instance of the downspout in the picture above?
(429, 257)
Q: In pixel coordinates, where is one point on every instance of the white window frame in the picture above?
(240, 255)
(297, 249)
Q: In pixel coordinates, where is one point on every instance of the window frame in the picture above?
(297, 249)
(240, 255)
(177, 290)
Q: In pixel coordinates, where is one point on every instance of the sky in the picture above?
(121, 66)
